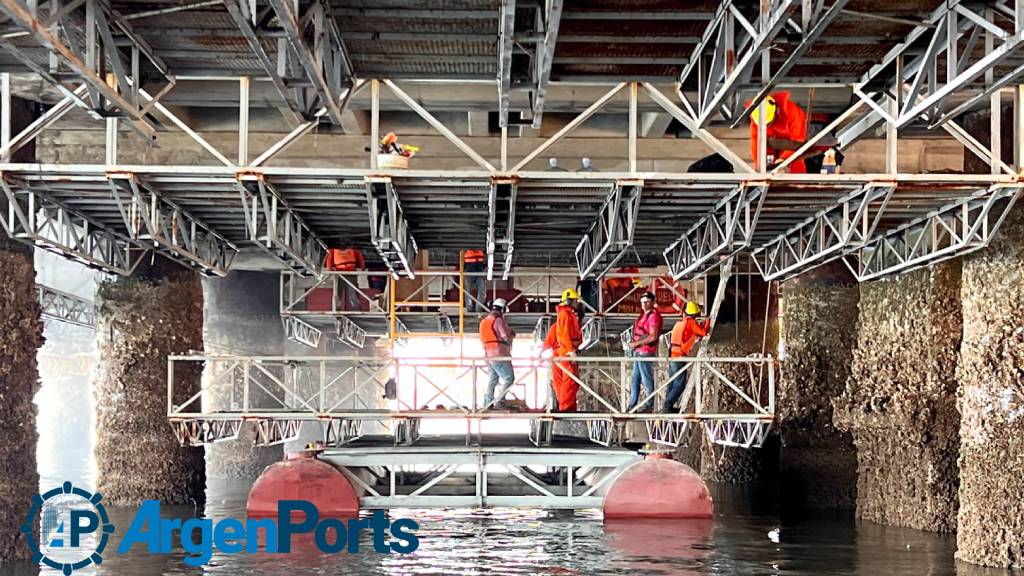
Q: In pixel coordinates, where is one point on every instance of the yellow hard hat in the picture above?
(692, 308)
(769, 114)
(570, 294)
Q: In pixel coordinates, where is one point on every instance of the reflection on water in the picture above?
(503, 541)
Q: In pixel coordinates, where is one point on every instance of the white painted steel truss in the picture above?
(961, 229)
(501, 227)
(152, 219)
(200, 432)
(829, 234)
(63, 307)
(302, 332)
(389, 230)
(737, 433)
(39, 221)
(611, 234)
(349, 332)
(724, 231)
(277, 229)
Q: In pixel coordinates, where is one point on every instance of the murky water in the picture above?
(504, 541)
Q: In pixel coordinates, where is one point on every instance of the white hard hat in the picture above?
(499, 303)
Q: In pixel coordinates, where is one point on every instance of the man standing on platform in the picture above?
(496, 336)
(564, 338)
(646, 330)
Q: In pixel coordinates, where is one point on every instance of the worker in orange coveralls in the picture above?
(787, 130)
(347, 259)
(565, 337)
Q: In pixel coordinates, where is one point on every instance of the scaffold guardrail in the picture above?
(294, 389)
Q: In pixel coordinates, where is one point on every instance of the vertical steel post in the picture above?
(243, 120)
(504, 148)
(5, 110)
(632, 126)
(110, 148)
(1018, 127)
(374, 121)
(891, 149)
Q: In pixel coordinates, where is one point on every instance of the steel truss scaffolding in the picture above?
(63, 307)
(149, 218)
(961, 229)
(298, 331)
(277, 229)
(41, 221)
(279, 393)
(501, 227)
(611, 235)
(389, 230)
(723, 232)
(829, 234)
(960, 57)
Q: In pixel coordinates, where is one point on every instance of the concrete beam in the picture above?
(478, 125)
(653, 124)
(355, 121)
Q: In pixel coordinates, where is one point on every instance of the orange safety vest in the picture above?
(473, 256)
(685, 334)
(345, 259)
(565, 334)
(488, 336)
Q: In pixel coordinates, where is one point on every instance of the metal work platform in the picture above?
(501, 470)
(732, 399)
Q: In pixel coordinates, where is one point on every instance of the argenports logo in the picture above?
(74, 528)
(74, 531)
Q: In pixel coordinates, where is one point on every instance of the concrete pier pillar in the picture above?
(991, 398)
(900, 400)
(21, 335)
(818, 463)
(140, 320)
(242, 317)
(992, 403)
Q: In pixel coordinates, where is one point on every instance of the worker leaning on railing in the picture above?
(646, 330)
(685, 335)
(564, 338)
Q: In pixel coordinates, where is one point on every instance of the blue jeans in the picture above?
(642, 371)
(476, 286)
(499, 369)
(676, 384)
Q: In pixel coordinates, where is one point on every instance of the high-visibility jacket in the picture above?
(648, 324)
(495, 335)
(565, 334)
(472, 256)
(790, 123)
(345, 260)
(685, 334)
(622, 283)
